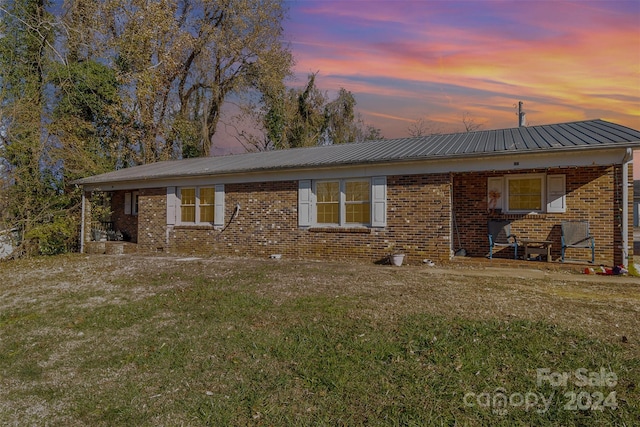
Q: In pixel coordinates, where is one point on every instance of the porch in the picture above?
(592, 194)
(110, 247)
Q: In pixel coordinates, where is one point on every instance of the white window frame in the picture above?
(307, 209)
(342, 202)
(553, 189)
(174, 205)
(543, 191)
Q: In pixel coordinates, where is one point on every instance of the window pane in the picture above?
(327, 192)
(357, 206)
(358, 213)
(327, 202)
(328, 213)
(207, 196)
(188, 213)
(206, 213)
(206, 203)
(357, 191)
(188, 196)
(525, 194)
(188, 205)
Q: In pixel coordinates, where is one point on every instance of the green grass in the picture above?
(225, 352)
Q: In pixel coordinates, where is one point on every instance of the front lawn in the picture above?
(144, 341)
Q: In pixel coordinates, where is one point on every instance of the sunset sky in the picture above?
(435, 60)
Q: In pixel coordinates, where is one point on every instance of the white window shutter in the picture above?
(495, 192)
(171, 205)
(556, 193)
(218, 212)
(379, 201)
(127, 203)
(305, 203)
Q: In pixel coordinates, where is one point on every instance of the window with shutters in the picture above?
(342, 202)
(197, 205)
(527, 193)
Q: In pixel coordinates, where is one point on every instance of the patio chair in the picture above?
(575, 234)
(500, 235)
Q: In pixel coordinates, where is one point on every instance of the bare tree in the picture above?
(470, 124)
(422, 127)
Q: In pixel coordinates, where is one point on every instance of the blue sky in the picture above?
(437, 60)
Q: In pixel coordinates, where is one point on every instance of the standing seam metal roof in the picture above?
(582, 135)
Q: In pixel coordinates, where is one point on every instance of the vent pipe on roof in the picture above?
(522, 120)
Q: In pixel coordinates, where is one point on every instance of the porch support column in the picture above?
(626, 161)
(82, 226)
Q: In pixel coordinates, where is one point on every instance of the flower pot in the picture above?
(397, 259)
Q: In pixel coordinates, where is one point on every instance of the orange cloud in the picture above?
(564, 70)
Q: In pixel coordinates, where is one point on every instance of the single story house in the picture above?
(429, 195)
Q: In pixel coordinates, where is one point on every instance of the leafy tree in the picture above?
(33, 196)
(85, 119)
(179, 61)
(340, 124)
(305, 117)
(99, 84)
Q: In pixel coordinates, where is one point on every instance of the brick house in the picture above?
(428, 195)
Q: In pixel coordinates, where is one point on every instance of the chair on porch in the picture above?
(575, 234)
(500, 235)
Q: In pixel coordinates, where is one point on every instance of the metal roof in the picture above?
(582, 135)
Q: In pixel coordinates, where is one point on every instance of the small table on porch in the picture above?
(536, 247)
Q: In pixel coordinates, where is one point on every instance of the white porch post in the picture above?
(626, 161)
(82, 224)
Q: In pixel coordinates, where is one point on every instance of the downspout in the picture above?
(626, 160)
(82, 224)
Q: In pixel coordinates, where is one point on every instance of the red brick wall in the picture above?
(152, 220)
(267, 223)
(591, 195)
(418, 220)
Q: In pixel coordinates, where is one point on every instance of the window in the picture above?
(195, 205)
(344, 202)
(134, 206)
(131, 203)
(524, 193)
(207, 197)
(357, 205)
(527, 193)
(188, 205)
(328, 202)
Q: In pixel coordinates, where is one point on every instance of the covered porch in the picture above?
(535, 203)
